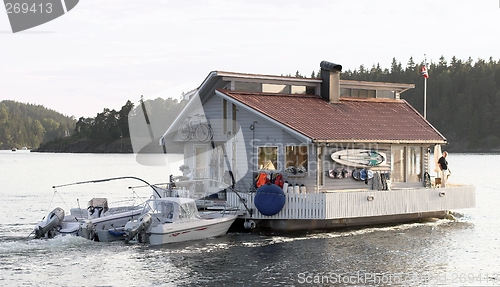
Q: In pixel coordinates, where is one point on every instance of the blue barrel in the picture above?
(269, 199)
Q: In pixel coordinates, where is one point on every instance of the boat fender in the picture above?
(296, 188)
(269, 199)
(303, 188)
(285, 186)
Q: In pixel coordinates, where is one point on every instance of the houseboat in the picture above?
(311, 153)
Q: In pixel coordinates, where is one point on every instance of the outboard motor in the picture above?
(51, 221)
(132, 229)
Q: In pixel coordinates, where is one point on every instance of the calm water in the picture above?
(465, 252)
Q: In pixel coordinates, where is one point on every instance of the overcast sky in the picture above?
(105, 52)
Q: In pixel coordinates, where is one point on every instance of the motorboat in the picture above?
(97, 222)
(57, 222)
(87, 222)
(101, 218)
(176, 219)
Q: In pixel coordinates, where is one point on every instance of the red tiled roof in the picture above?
(366, 120)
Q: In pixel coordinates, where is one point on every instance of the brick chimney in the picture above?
(330, 86)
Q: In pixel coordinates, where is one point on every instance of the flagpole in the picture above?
(425, 89)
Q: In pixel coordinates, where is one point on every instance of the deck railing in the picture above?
(350, 204)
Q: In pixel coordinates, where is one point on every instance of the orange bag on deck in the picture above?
(262, 179)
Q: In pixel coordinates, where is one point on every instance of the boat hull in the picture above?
(90, 227)
(111, 235)
(294, 225)
(177, 232)
(338, 209)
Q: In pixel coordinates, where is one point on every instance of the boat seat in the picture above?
(96, 211)
(79, 212)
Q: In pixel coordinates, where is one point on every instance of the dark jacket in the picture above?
(443, 163)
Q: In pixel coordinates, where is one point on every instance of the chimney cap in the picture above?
(330, 66)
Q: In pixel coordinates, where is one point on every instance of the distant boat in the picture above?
(23, 149)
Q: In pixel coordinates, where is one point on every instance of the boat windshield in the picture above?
(188, 210)
(167, 210)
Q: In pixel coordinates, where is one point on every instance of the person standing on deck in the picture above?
(443, 166)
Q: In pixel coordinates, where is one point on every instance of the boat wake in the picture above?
(458, 218)
(30, 245)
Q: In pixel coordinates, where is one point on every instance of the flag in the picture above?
(424, 72)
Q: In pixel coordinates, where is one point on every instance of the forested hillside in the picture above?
(463, 97)
(29, 125)
(109, 130)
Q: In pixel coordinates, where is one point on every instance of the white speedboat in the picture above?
(87, 222)
(97, 222)
(175, 219)
(101, 219)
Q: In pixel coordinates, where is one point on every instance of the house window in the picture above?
(414, 164)
(224, 116)
(358, 93)
(320, 173)
(274, 88)
(248, 87)
(200, 161)
(398, 164)
(299, 90)
(407, 164)
(296, 158)
(268, 157)
(234, 127)
(345, 92)
(385, 94)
